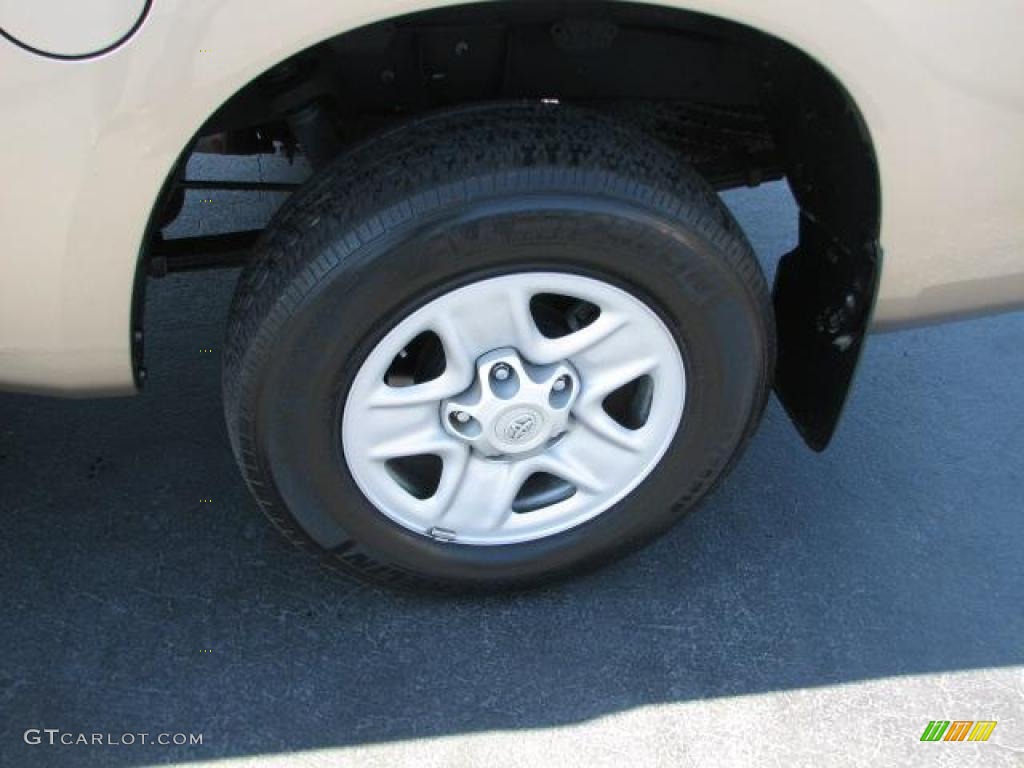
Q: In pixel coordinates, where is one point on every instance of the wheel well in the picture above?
(741, 105)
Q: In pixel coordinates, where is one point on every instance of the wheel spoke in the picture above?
(488, 320)
(423, 442)
(605, 449)
(593, 419)
(589, 408)
(562, 461)
(611, 377)
(429, 393)
(482, 500)
(458, 352)
(392, 432)
(521, 324)
(615, 356)
(545, 351)
(452, 471)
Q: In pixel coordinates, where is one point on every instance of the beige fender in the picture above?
(86, 146)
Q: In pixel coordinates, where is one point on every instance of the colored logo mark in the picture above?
(958, 730)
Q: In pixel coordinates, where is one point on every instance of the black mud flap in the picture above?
(824, 297)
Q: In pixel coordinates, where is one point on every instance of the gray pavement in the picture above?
(817, 610)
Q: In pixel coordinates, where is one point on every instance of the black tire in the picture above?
(386, 227)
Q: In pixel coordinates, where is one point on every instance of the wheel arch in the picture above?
(825, 288)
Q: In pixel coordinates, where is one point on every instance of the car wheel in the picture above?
(495, 346)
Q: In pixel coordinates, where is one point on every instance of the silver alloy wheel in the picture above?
(514, 404)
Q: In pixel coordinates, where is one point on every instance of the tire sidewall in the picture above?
(353, 291)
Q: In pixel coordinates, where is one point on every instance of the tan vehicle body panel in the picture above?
(86, 146)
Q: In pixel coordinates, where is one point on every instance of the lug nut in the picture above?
(560, 383)
(461, 416)
(501, 372)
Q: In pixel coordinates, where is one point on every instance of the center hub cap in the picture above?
(512, 408)
(518, 426)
